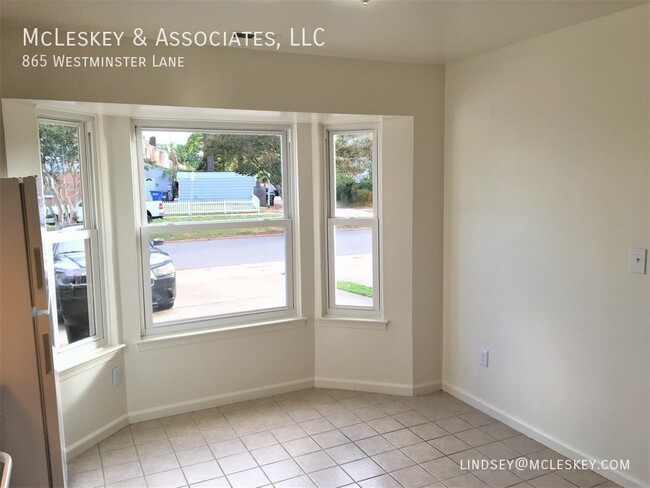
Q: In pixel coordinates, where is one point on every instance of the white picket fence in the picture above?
(202, 207)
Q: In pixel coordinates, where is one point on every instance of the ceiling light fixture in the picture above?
(365, 2)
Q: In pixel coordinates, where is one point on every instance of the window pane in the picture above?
(353, 266)
(73, 290)
(61, 175)
(353, 174)
(221, 272)
(194, 176)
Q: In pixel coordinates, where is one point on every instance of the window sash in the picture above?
(88, 232)
(147, 229)
(332, 221)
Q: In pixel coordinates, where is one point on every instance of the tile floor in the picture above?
(321, 438)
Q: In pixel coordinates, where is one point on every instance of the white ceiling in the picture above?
(426, 31)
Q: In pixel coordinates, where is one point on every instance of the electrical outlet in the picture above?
(637, 260)
(485, 356)
(117, 375)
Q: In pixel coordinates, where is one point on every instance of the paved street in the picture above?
(250, 250)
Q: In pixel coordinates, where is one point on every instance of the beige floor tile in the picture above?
(119, 456)
(184, 428)
(345, 453)
(122, 472)
(429, 431)
(227, 448)
(330, 478)
(302, 446)
(314, 461)
(410, 419)
(384, 481)
(299, 482)
(369, 413)
(215, 483)
(167, 479)
(362, 469)
(498, 450)
(413, 477)
(207, 423)
(402, 438)
(530, 471)
(270, 454)
(289, 433)
(443, 468)
(145, 436)
(261, 439)
(187, 441)
(550, 480)
(194, 455)
(499, 431)
(385, 424)
(159, 464)
(477, 419)
(475, 437)
(465, 481)
(84, 463)
(149, 424)
(454, 424)
(358, 431)
(393, 408)
(331, 439)
(374, 445)
(464, 458)
(332, 408)
(582, 478)
(422, 452)
(343, 420)
(316, 426)
(237, 462)
(219, 434)
(138, 482)
(304, 414)
(355, 403)
(497, 478)
(523, 444)
(548, 454)
(342, 394)
(153, 449)
(282, 470)
(393, 460)
(86, 479)
(449, 445)
(202, 472)
(118, 440)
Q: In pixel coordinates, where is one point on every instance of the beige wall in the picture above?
(546, 191)
(206, 372)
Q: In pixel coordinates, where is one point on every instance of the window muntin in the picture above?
(353, 223)
(71, 238)
(226, 229)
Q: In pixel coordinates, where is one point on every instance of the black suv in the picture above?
(72, 288)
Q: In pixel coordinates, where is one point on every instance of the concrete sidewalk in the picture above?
(220, 290)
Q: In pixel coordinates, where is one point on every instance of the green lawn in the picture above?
(356, 288)
(220, 233)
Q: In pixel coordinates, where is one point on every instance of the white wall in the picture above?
(213, 371)
(546, 191)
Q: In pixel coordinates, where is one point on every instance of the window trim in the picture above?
(288, 222)
(88, 157)
(331, 221)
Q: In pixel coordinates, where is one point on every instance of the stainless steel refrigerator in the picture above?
(30, 425)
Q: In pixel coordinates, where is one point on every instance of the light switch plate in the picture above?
(637, 260)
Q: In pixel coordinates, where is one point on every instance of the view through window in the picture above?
(218, 233)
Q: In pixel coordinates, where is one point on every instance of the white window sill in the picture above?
(153, 342)
(353, 323)
(71, 365)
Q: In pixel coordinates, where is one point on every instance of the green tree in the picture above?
(246, 154)
(60, 168)
(190, 154)
(354, 169)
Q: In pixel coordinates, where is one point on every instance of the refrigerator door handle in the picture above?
(38, 264)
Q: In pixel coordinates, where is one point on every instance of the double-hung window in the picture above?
(353, 223)
(216, 228)
(70, 239)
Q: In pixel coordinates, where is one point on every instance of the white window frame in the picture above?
(287, 222)
(87, 159)
(331, 221)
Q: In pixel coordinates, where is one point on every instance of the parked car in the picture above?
(72, 288)
(155, 206)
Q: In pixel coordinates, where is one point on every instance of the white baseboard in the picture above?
(81, 446)
(378, 387)
(218, 400)
(617, 476)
